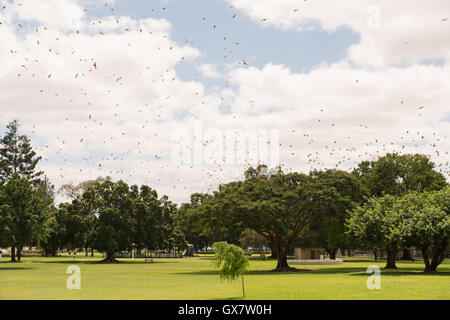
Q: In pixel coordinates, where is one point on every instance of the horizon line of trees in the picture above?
(103, 215)
(330, 209)
(392, 203)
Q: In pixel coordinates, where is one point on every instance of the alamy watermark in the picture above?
(374, 19)
(74, 281)
(374, 281)
(212, 146)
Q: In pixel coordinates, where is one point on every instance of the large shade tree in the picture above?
(397, 174)
(375, 224)
(277, 205)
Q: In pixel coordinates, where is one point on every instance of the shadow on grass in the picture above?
(349, 271)
(2, 268)
(248, 273)
(101, 262)
(419, 271)
(228, 299)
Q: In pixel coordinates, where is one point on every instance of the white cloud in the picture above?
(338, 114)
(209, 71)
(60, 14)
(400, 31)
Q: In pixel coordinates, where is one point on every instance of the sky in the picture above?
(151, 91)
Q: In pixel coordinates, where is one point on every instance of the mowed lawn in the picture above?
(195, 278)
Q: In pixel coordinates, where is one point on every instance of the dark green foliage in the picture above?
(414, 219)
(428, 216)
(251, 238)
(113, 217)
(327, 229)
(277, 205)
(203, 226)
(397, 174)
(17, 155)
(24, 212)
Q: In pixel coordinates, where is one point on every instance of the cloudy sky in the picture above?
(118, 87)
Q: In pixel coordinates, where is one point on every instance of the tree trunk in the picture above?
(92, 252)
(406, 255)
(13, 254)
(375, 254)
(282, 265)
(87, 252)
(425, 259)
(243, 286)
(332, 252)
(391, 258)
(110, 258)
(19, 253)
(437, 257)
(274, 252)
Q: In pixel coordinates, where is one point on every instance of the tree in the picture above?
(148, 217)
(231, 261)
(277, 205)
(327, 229)
(17, 155)
(190, 221)
(115, 225)
(177, 240)
(52, 241)
(420, 219)
(112, 234)
(112, 217)
(24, 214)
(371, 226)
(429, 223)
(208, 221)
(397, 174)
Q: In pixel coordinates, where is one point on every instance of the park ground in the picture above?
(38, 278)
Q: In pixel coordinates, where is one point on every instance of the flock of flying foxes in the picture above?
(214, 174)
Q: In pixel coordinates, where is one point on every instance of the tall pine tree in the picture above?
(18, 162)
(17, 155)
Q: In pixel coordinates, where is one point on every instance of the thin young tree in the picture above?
(231, 261)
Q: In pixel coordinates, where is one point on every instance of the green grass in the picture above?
(180, 279)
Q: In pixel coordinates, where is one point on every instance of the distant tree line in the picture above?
(103, 215)
(392, 203)
(330, 209)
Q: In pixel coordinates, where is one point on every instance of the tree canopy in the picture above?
(23, 214)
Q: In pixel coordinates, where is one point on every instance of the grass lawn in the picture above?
(195, 278)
